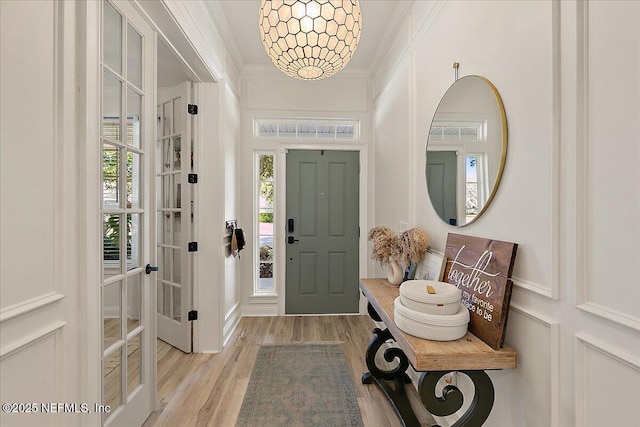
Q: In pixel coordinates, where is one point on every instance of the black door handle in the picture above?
(148, 269)
(291, 240)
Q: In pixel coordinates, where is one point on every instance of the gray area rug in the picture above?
(300, 385)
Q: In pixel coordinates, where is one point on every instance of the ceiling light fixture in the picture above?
(310, 39)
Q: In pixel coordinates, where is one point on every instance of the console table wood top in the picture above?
(467, 353)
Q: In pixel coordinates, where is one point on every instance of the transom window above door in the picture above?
(304, 129)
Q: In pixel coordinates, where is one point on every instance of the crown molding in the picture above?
(390, 34)
(216, 12)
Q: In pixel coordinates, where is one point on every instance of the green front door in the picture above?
(442, 183)
(322, 232)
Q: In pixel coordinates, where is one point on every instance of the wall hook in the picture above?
(455, 68)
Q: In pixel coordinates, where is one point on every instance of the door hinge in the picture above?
(192, 178)
(192, 109)
(192, 315)
(192, 247)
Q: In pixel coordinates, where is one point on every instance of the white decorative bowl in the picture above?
(414, 294)
(431, 326)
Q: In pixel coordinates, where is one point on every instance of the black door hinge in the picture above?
(192, 178)
(192, 315)
(192, 109)
(192, 247)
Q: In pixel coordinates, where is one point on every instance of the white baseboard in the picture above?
(260, 310)
(231, 320)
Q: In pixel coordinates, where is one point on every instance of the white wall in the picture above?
(568, 76)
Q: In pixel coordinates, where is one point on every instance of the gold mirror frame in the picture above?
(494, 182)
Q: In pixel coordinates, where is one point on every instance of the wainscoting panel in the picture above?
(607, 383)
(42, 373)
(537, 341)
(608, 111)
(27, 217)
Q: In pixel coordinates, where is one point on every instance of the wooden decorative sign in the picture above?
(482, 269)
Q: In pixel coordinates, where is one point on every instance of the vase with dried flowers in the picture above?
(397, 251)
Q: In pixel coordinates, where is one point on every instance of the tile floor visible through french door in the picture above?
(207, 390)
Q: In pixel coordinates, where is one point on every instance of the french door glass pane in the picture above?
(112, 380)
(166, 155)
(177, 201)
(177, 294)
(134, 306)
(177, 154)
(134, 241)
(134, 358)
(166, 264)
(111, 310)
(176, 229)
(112, 45)
(134, 108)
(166, 300)
(134, 180)
(111, 264)
(177, 107)
(166, 191)
(110, 176)
(164, 228)
(111, 107)
(167, 118)
(177, 267)
(134, 56)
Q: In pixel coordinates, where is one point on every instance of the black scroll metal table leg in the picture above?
(391, 381)
(452, 398)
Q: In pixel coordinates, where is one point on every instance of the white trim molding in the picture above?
(30, 305)
(609, 314)
(182, 15)
(29, 340)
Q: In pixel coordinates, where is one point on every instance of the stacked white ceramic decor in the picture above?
(431, 310)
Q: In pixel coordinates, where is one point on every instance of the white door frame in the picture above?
(281, 209)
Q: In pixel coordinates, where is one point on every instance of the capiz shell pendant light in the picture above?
(310, 39)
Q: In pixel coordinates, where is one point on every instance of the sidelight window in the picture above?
(264, 221)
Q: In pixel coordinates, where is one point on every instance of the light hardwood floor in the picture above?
(206, 390)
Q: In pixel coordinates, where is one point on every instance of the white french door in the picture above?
(127, 141)
(174, 215)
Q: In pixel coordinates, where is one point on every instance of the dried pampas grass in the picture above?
(413, 245)
(385, 243)
(406, 248)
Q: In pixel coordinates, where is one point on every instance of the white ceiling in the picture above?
(380, 19)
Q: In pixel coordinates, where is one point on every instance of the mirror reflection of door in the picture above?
(442, 183)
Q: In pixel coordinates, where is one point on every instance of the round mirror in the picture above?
(466, 150)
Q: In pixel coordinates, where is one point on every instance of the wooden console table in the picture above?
(468, 355)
